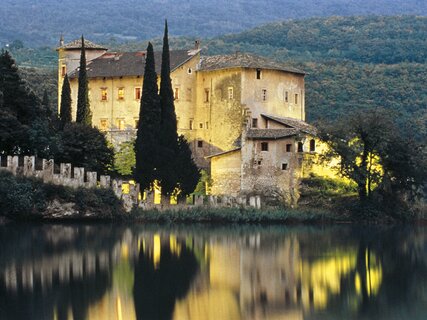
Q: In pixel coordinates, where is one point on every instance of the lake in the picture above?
(106, 271)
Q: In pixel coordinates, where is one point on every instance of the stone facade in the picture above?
(226, 106)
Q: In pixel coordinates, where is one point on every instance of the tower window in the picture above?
(191, 124)
(103, 124)
(258, 74)
(284, 166)
(120, 124)
(254, 123)
(137, 93)
(286, 96)
(201, 125)
(206, 95)
(230, 93)
(104, 94)
(199, 144)
(312, 145)
(264, 146)
(189, 71)
(121, 93)
(264, 94)
(296, 98)
(176, 94)
(63, 70)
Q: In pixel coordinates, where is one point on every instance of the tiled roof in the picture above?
(222, 153)
(293, 123)
(271, 134)
(77, 44)
(243, 60)
(119, 64)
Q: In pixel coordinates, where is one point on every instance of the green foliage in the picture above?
(188, 174)
(28, 198)
(124, 158)
(86, 147)
(84, 114)
(234, 215)
(204, 183)
(65, 110)
(146, 145)
(377, 154)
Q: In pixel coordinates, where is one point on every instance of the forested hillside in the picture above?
(353, 62)
(40, 22)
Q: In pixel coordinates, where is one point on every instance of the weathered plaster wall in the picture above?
(276, 83)
(262, 171)
(225, 174)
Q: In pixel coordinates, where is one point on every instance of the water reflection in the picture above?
(149, 272)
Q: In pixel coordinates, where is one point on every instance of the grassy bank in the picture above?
(236, 215)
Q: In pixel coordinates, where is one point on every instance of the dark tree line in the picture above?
(161, 156)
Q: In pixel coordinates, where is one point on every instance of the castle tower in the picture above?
(69, 58)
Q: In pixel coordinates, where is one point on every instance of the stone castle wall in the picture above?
(129, 192)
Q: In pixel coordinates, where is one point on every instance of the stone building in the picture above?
(242, 114)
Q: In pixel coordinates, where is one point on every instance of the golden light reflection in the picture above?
(373, 277)
(174, 245)
(157, 247)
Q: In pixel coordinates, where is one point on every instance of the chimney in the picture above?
(197, 45)
(61, 41)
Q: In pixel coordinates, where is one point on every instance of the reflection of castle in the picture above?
(184, 276)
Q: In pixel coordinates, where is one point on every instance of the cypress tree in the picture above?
(84, 115)
(65, 110)
(188, 173)
(168, 137)
(146, 145)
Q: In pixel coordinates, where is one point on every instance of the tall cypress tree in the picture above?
(146, 144)
(168, 137)
(84, 114)
(188, 173)
(65, 110)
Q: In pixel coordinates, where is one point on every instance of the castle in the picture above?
(242, 114)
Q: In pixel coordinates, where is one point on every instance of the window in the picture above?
(289, 147)
(206, 95)
(254, 123)
(103, 124)
(264, 94)
(176, 94)
(120, 123)
(286, 96)
(200, 144)
(121, 93)
(189, 71)
(300, 147)
(284, 166)
(258, 74)
(230, 93)
(264, 146)
(137, 93)
(63, 70)
(189, 94)
(296, 98)
(201, 125)
(136, 122)
(312, 145)
(104, 94)
(191, 124)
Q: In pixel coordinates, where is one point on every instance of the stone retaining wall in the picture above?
(129, 192)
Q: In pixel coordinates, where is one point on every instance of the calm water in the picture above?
(184, 273)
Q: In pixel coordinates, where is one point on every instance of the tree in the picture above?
(146, 145)
(188, 173)
(124, 158)
(84, 114)
(376, 153)
(65, 110)
(87, 147)
(168, 137)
